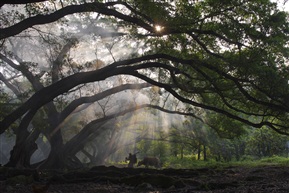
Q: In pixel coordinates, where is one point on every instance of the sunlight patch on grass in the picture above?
(189, 162)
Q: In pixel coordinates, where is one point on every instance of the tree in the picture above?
(264, 143)
(226, 57)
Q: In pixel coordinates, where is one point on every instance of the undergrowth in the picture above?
(189, 162)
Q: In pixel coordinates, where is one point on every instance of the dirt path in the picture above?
(124, 180)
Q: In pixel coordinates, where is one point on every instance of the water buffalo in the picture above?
(150, 161)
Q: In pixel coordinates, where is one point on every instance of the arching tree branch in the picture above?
(15, 2)
(87, 7)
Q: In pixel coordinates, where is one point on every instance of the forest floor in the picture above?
(270, 178)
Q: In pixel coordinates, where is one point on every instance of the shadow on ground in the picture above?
(111, 179)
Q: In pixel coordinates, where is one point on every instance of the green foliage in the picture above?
(153, 148)
(264, 142)
(185, 162)
(275, 160)
(159, 148)
(225, 127)
(144, 146)
(190, 162)
(255, 58)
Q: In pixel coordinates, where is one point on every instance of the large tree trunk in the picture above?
(21, 154)
(56, 158)
(24, 145)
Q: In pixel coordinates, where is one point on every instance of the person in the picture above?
(132, 160)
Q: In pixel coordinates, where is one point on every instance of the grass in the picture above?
(189, 162)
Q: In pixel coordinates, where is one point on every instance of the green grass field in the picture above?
(190, 163)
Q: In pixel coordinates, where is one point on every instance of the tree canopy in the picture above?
(226, 62)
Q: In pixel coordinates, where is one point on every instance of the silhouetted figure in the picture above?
(132, 160)
(150, 161)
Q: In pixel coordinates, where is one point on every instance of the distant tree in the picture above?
(265, 143)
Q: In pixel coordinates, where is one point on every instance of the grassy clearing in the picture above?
(189, 162)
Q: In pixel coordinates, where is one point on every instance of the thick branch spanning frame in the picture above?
(123, 67)
(68, 10)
